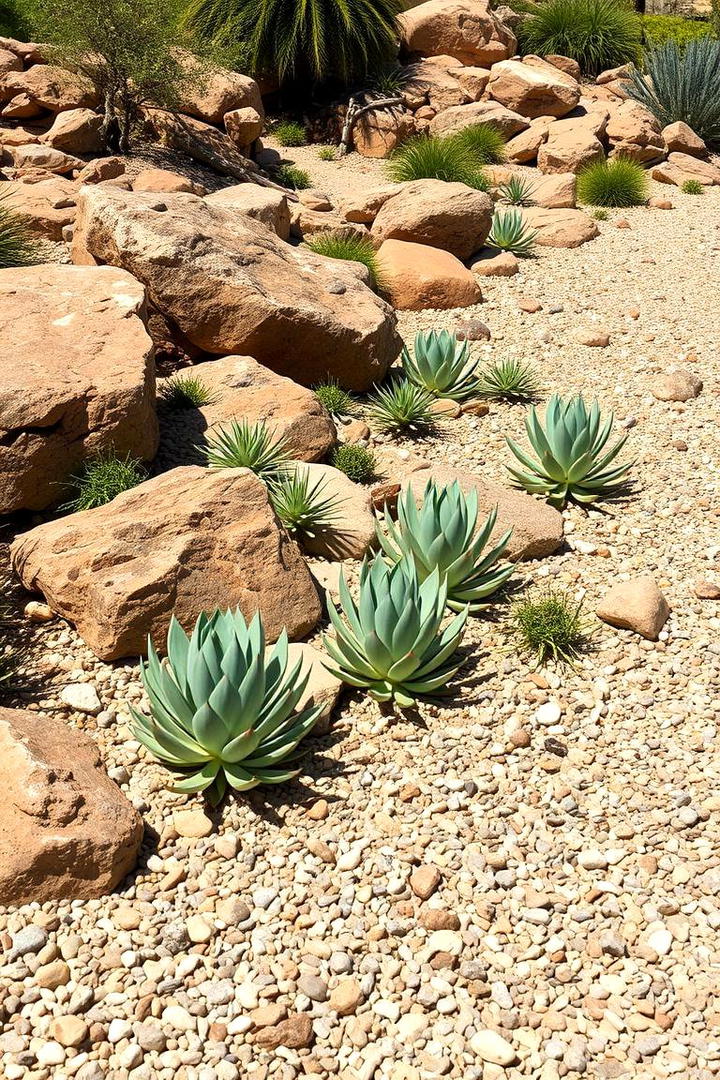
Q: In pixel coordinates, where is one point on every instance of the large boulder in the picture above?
(34, 156)
(380, 131)
(46, 86)
(681, 138)
(217, 91)
(47, 206)
(262, 203)
(560, 228)
(634, 133)
(231, 286)
(67, 832)
(571, 144)
(465, 29)
(76, 131)
(450, 121)
(78, 377)
(454, 217)
(533, 88)
(417, 277)
(188, 541)
(434, 82)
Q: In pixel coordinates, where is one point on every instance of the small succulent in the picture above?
(509, 379)
(550, 626)
(242, 445)
(336, 400)
(517, 190)
(442, 536)
(392, 642)
(186, 392)
(223, 713)
(571, 460)
(401, 405)
(510, 232)
(102, 479)
(441, 364)
(692, 187)
(302, 506)
(357, 462)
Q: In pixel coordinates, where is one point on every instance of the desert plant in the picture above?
(357, 462)
(483, 141)
(242, 445)
(303, 507)
(433, 158)
(510, 380)
(692, 187)
(441, 364)
(392, 642)
(442, 536)
(618, 182)
(550, 626)
(600, 214)
(682, 84)
(223, 713)
(336, 400)
(8, 653)
(518, 190)
(185, 391)
(350, 245)
(400, 405)
(599, 34)
(571, 460)
(289, 133)
(388, 80)
(658, 29)
(102, 479)
(510, 232)
(290, 176)
(327, 153)
(17, 246)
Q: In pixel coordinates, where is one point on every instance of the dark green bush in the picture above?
(434, 158)
(290, 133)
(658, 29)
(292, 177)
(618, 182)
(599, 34)
(357, 462)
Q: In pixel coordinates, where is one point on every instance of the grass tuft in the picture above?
(186, 392)
(692, 187)
(357, 462)
(550, 626)
(401, 406)
(290, 176)
(327, 153)
(619, 182)
(336, 400)
(242, 445)
(599, 34)
(483, 141)
(17, 246)
(102, 479)
(350, 245)
(433, 158)
(509, 380)
(289, 133)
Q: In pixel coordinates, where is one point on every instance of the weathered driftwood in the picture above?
(357, 107)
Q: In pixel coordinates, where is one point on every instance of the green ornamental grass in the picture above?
(102, 479)
(692, 187)
(483, 141)
(357, 462)
(289, 133)
(618, 182)
(678, 83)
(336, 400)
(17, 246)
(351, 245)
(186, 391)
(242, 445)
(598, 34)
(401, 406)
(433, 158)
(290, 176)
(550, 626)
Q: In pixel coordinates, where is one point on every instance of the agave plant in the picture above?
(517, 190)
(392, 642)
(510, 232)
(303, 507)
(441, 536)
(222, 712)
(441, 364)
(571, 462)
(241, 445)
(401, 405)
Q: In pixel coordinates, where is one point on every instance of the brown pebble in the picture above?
(318, 811)
(706, 590)
(528, 305)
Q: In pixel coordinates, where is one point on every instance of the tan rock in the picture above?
(47, 86)
(263, 204)
(66, 830)
(523, 148)
(78, 377)
(681, 138)
(417, 277)
(162, 180)
(184, 542)
(193, 824)
(681, 167)
(346, 997)
(9, 62)
(615, 74)
(637, 605)
(70, 1031)
(488, 264)
(425, 881)
(533, 88)
(76, 131)
(507, 122)
(51, 976)
(219, 92)
(244, 126)
(560, 228)
(268, 1015)
(678, 385)
(36, 156)
(434, 82)
(473, 79)
(305, 222)
(465, 29)
(378, 132)
(47, 206)
(364, 207)
(453, 217)
(201, 141)
(295, 1033)
(593, 337)
(556, 191)
(565, 64)
(100, 169)
(570, 146)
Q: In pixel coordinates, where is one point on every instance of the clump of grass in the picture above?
(290, 133)
(357, 462)
(692, 187)
(550, 626)
(17, 246)
(290, 176)
(510, 232)
(350, 245)
(509, 380)
(483, 141)
(433, 158)
(327, 153)
(599, 34)
(517, 191)
(8, 655)
(401, 406)
(186, 392)
(102, 479)
(302, 506)
(619, 182)
(242, 445)
(599, 214)
(336, 400)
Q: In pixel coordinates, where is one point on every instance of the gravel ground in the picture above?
(565, 824)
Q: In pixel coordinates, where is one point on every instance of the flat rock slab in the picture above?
(560, 228)
(78, 377)
(188, 541)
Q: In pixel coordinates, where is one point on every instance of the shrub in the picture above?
(599, 34)
(400, 406)
(510, 232)
(441, 365)
(658, 29)
(571, 462)
(388, 80)
(289, 133)
(290, 176)
(241, 445)
(599, 214)
(682, 84)
(510, 380)
(484, 142)
(102, 479)
(517, 191)
(392, 642)
(442, 535)
(222, 712)
(327, 153)
(351, 245)
(337, 401)
(432, 158)
(550, 626)
(302, 506)
(17, 246)
(186, 392)
(618, 182)
(692, 187)
(357, 462)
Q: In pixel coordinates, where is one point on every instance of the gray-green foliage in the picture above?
(305, 508)
(242, 445)
(510, 232)
(441, 364)
(400, 405)
(679, 82)
(222, 713)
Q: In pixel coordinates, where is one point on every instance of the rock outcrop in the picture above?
(453, 217)
(467, 30)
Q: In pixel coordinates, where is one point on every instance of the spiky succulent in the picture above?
(441, 364)
(442, 536)
(304, 508)
(392, 642)
(401, 405)
(509, 379)
(571, 461)
(517, 190)
(223, 713)
(510, 232)
(242, 445)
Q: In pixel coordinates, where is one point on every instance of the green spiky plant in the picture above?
(681, 83)
(392, 642)
(571, 460)
(327, 153)
(290, 176)
(509, 380)
(599, 34)
(483, 141)
(337, 401)
(442, 536)
(441, 364)
(185, 391)
(357, 462)
(549, 625)
(17, 245)
(289, 133)
(510, 232)
(518, 190)
(600, 214)
(692, 187)
(350, 245)
(102, 479)
(222, 713)
(304, 507)
(619, 182)
(401, 406)
(434, 158)
(242, 445)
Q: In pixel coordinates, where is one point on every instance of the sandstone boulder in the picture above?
(263, 204)
(681, 138)
(47, 206)
(187, 541)
(465, 29)
(9, 61)
(100, 169)
(66, 830)
(556, 191)
(48, 158)
(565, 64)
(364, 207)
(507, 122)
(488, 263)
(232, 287)
(201, 141)
(163, 180)
(523, 148)
(637, 604)
(569, 150)
(453, 217)
(533, 88)
(244, 126)
(76, 131)
(560, 228)
(47, 86)
(417, 277)
(681, 167)
(441, 82)
(218, 92)
(78, 377)
(378, 132)
(635, 133)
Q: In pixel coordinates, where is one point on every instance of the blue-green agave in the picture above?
(571, 462)
(441, 535)
(392, 642)
(441, 364)
(223, 712)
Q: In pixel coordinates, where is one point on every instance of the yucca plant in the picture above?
(599, 34)
(441, 364)
(350, 245)
(357, 462)
(392, 642)
(223, 713)
(682, 83)
(186, 392)
(442, 536)
(510, 232)
(102, 479)
(509, 380)
(483, 141)
(550, 626)
(304, 508)
(242, 445)
(400, 406)
(434, 158)
(17, 246)
(619, 182)
(572, 461)
(517, 190)
(336, 400)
